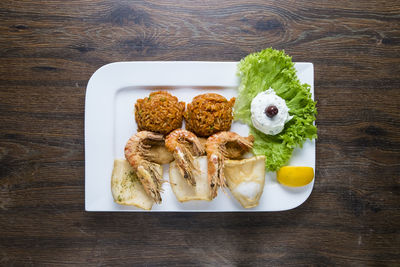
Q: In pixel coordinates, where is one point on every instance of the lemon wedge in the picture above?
(295, 176)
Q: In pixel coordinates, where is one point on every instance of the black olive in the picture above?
(271, 111)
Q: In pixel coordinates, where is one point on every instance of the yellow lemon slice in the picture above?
(295, 176)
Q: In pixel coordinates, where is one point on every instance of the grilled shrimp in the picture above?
(216, 154)
(177, 142)
(138, 155)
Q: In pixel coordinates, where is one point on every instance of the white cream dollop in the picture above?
(261, 121)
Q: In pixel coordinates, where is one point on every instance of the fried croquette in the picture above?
(159, 112)
(208, 114)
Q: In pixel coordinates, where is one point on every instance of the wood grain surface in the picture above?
(49, 49)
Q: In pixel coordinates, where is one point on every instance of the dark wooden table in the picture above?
(49, 49)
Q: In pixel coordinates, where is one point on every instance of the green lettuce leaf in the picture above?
(273, 68)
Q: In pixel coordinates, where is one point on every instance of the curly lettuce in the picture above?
(273, 68)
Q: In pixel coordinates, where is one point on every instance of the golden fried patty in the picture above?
(209, 114)
(160, 112)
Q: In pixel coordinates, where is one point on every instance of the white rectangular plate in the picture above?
(111, 94)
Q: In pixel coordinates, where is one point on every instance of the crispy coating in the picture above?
(208, 114)
(160, 112)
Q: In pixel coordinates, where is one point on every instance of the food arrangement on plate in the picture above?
(206, 156)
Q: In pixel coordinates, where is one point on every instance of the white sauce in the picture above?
(248, 190)
(261, 121)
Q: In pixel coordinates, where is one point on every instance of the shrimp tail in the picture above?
(151, 179)
(198, 148)
(245, 143)
(185, 161)
(216, 177)
(154, 137)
